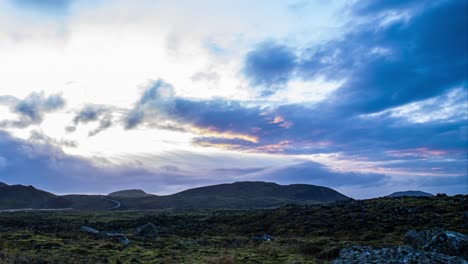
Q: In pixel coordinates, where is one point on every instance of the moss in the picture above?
(301, 233)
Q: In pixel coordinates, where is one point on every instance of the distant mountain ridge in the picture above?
(20, 196)
(410, 193)
(296, 192)
(3, 184)
(129, 193)
(238, 195)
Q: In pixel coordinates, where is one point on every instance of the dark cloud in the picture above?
(300, 129)
(383, 64)
(46, 166)
(93, 113)
(156, 100)
(88, 114)
(318, 174)
(38, 137)
(32, 108)
(104, 123)
(241, 171)
(459, 180)
(269, 65)
(158, 104)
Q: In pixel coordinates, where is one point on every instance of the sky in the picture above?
(365, 97)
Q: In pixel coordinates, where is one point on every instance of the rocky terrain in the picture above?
(412, 229)
(426, 246)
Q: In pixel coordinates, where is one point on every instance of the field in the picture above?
(289, 234)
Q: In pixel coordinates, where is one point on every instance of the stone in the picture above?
(396, 254)
(439, 240)
(89, 230)
(262, 238)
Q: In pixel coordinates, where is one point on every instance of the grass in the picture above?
(301, 233)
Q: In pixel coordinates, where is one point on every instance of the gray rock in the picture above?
(148, 230)
(439, 240)
(118, 236)
(396, 254)
(262, 238)
(427, 246)
(89, 230)
(122, 238)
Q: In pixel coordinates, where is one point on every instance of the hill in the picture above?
(19, 196)
(238, 195)
(129, 194)
(3, 184)
(409, 193)
(255, 190)
(88, 202)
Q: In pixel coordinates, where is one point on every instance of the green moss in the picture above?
(301, 234)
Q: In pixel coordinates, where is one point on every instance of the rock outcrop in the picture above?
(396, 254)
(440, 241)
(426, 246)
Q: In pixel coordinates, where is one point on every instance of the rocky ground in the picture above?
(384, 230)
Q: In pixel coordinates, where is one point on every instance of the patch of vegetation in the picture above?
(289, 234)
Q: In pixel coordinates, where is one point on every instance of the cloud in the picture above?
(269, 65)
(88, 114)
(40, 138)
(43, 164)
(206, 76)
(302, 129)
(31, 109)
(384, 61)
(104, 123)
(157, 99)
(94, 113)
(318, 174)
(158, 104)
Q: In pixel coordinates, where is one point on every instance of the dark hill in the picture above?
(88, 202)
(129, 194)
(409, 193)
(19, 196)
(247, 190)
(239, 195)
(3, 184)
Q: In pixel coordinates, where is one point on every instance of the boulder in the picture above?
(262, 238)
(148, 230)
(439, 240)
(396, 254)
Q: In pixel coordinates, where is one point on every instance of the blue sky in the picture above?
(366, 97)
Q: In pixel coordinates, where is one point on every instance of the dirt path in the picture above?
(117, 203)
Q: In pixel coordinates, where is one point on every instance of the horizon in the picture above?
(363, 97)
(226, 183)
